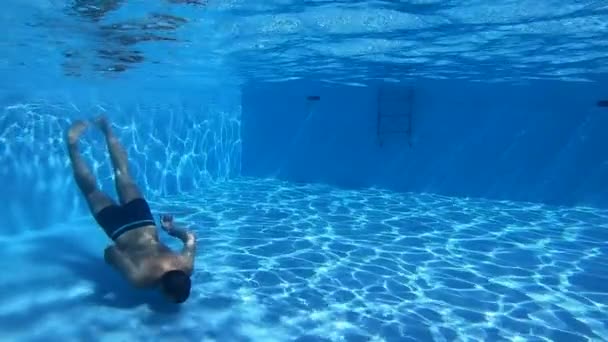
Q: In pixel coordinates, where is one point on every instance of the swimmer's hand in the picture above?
(166, 223)
(187, 237)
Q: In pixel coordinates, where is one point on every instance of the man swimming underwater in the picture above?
(137, 252)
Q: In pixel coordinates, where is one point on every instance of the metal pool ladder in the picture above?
(394, 113)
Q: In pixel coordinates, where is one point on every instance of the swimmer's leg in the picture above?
(83, 176)
(125, 185)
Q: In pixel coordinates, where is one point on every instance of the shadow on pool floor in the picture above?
(77, 261)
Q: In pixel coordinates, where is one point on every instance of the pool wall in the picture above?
(540, 142)
(176, 140)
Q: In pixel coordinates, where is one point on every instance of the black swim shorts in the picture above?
(119, 219)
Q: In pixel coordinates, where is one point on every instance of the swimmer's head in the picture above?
(176, 285)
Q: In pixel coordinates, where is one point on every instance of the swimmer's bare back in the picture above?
(143, 259)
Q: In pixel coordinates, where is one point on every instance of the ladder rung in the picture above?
(392, 100)
(393, 116)
(393, 132)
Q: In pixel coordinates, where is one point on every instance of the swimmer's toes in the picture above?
(102, 123)
(76, 130)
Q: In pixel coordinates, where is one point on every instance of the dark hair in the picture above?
(176, 284)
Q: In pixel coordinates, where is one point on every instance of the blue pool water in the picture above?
(292, 262)
(479, 214)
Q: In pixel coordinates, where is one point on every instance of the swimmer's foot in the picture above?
(76, 130)
(103, 124)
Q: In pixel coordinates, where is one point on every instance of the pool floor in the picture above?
(284, 262)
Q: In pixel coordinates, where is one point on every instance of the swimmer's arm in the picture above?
(189, 251)
(179, 233)
(166, 222)
(189, 240)
(171, 229)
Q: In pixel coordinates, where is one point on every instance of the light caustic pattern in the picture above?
(33, 154)
(378, 266)
(284, 262)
